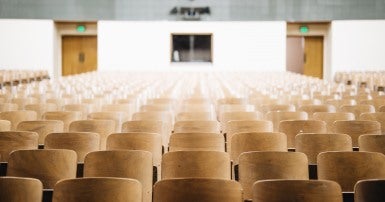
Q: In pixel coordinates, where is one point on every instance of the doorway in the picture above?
(79, 54)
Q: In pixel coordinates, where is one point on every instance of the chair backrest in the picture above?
(369, 190)
(247, 126)
(98, 190)
(239, 116)
(137, 141)
(377, 116)
(277, 117)
(197, 189)
(197, 142)
(296, 190)
(103, 127)
(49, 166)
(311, 109)
(15, 117)
(8, 107)
(183, 164)
(117, 117)
(312, 144)
(357, 110)
(347, 168)
(16, 140)
(357, 128)
(254, 166)
(196, 127)
(330, 117)
(40, 109)
(22, 101)
(257, 141)
(195, 116)
(18, 189)
(42, 127)
(292, 127)
(84, 109)
(372, 143)
(66, 116)
(164, 117)
(5, 125)
(124, 164)
(276, 107)
(80, 142)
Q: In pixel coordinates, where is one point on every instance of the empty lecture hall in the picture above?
(192, 101)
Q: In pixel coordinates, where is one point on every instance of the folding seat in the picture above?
(372, 143)
(239, 116)
(233, 108)
(66, 116)
(98, 189)
(296, 190)
(5, 125)
(23, 101)
(197, 189)
(195, 116)
(126, 108)
(41, 127)
(84, 109)
(16, 140)
(123, 164)
(330, 117)
(15, 117)
(357, 110)
(197, 127)
(377, 116)
(118, 117)
(311, 109)
(356, 128)
(369, 190)
(278, 116)
(340, 102)
(19, 189)
(276, 107)
(197, 142)
(8, 107)
(40, 109)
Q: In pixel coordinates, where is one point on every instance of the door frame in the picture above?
(315, 29)
(64, 28)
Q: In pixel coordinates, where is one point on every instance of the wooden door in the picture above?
(79, 54)
(313, 61)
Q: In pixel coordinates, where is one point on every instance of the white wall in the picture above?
(358, 45)
(26, 44)
(236, 45)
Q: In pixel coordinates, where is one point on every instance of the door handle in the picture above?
(81, 57)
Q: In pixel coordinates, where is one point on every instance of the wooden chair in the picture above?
(123, 164)
(21, 102)
(117, 117)
(377, 116)
(234, 108)
(187, 164)
(277, 107)
(40, 109)
(98, 189)
(369, 190)
(8, 107)
(372, 143)
(238, 116)
(164, 117)
(16, 140)
(197, 189)
(292, 127)
(103, 127)
(15, 117)
(357, 110)
(347, 168)
(66, 116)
(197, 142)
(84, 109)
(296, 190)
(312, 144)
(196, 127)
(126, 108)
(330, 117)
(256, 141)
(195, 116)
(254, 166)
(80, 142)
(357, 128)
(311, 109)
(277, 117)
(382, 109)
(5, 125)
(49, 166)
(42, 128)
(18, 189)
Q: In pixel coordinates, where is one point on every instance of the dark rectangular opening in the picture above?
(191, 48)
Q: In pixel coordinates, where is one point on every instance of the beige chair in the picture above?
(40, 109)
(369, 190)
(296, 190)
(197, 189)
(372, 143)
(187, 164)
(382, 109)
(66, 116)
(98, 189)
(84, 109)
(256, 141)
(357, 128)
(15, 117)
(103, 127)
(8, 107)
(149, 126)
(80, 142)
(312, 144)
(123, 164)
(126, 108)
(16, 140)
(117, 117)
(277, 107)
(165, 117)
(377, 116)
(357, 110)
(292, 127)
(5, 125)
(254, 166)
(239, 116)
(42, 128)
(19, 189)
(277, 117)
(197, 142)
(21, 101)
(330, 117)
(311, 109)
(195, 116)
(196, 127)
(347, 168)
(49, 166)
